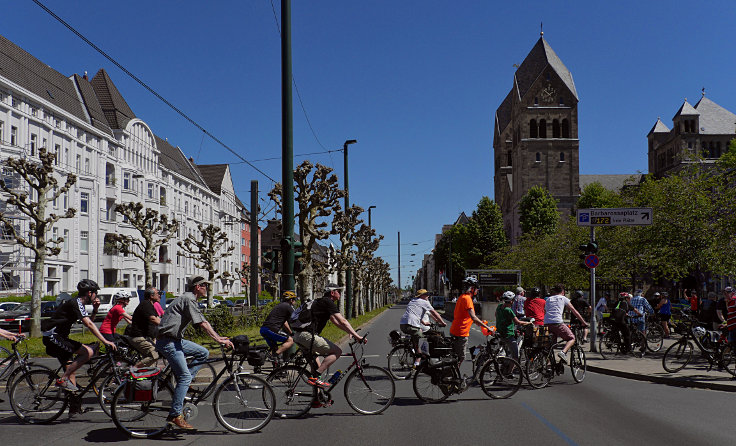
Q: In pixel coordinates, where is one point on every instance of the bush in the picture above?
(256, 316)
(265, 295)
(221, 320)
(169, 296)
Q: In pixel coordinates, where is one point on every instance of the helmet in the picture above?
(508, 296)
(120, 295)
(656, 294)
(577, 294)
(623, 295)
(288, 295)
(87, 285)
(534, 292)
(470, 281)
(699, 331)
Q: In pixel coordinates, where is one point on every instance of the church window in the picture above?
(548, 76)
(538, 157)
(555, 128)
(508, 158)
(542, 128)
(533, 128)
(562, 100)
(562, 157)
(565, 128)
(536, 100)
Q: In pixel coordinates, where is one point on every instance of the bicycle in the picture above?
(679, 354)
(368, 389)
(243, 402)
(611, 342)
(35, 399)
(544, 365)
(402, 357)
(16, 362)
(439, 376)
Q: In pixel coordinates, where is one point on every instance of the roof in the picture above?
(173, 159)
(503, 114)
(714, 119)
(19, 67)
(462, 219)
(686, 110)
(659, 127)
(611, 182)
(116, 110)
(213, 174)
(92, 105)
(536, 61)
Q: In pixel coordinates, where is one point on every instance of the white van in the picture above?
(106, 303)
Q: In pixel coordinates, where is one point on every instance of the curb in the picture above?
(676, 382)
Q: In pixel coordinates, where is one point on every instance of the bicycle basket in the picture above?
(394, 337)
(439, 346)
(241, 344)
(257, 355)
(142, 384)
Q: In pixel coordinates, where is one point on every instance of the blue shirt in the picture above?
(642, 305)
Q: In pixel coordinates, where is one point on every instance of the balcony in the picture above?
(164, 267)
(111, 261)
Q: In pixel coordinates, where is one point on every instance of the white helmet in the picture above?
(508, 296)
(699, 331)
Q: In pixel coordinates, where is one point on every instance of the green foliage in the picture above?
(21, 299)
(170, 296)
(538, 211)
(220, 318)
(265, 295)
(257, 315)
(594, 195)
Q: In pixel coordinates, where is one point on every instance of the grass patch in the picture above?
(334, 334)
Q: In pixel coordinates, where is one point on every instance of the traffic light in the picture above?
(298, 246)
(271, 260)
(586, 250)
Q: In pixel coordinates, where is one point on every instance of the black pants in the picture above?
(623, 328)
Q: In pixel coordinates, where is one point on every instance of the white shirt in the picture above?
(553, 309)
(415, 309)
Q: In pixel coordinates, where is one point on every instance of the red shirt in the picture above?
(731, 306)
(693, 303)
(112, 319)
(535, 308)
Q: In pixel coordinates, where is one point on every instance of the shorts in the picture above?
(321, 346)
(147, 348)
(561, 330)
(61, 348)
(414, 332)
(459, 343)
(272, 339)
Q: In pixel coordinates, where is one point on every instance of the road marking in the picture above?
(552, 427)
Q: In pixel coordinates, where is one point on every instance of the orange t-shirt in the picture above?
(462, 322)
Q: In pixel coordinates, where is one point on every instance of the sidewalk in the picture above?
(649, 368)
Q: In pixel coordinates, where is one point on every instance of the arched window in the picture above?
(533, 128)
(565, 128)
(538, 157)
(562, 157)
(536, 100)
(555, 128)
(542, 128)
(508, 158)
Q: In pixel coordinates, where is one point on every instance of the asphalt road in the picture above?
(602, 410)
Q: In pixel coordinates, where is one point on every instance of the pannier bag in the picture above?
(257, 356)
(142, 384)
(241, 344)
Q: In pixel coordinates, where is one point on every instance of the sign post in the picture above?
(595, 217)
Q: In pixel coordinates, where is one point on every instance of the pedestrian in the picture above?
(664, 312)
(519, 299)
(600, 308)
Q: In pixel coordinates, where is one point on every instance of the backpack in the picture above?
(301, 318)
(619, 314)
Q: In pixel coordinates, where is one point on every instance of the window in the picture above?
(150, 190)
(542, 128)
(533, 128)
(84, 274)
(78, 164)
(57, 153)
(84, 242)
(13, 135)
(509, 158)
(565, 128)
(562, 157)
(33, 144)
(86, 166)
(84, 203)
(65, 201)
(538, 157)
(54, 233)
(34, 112)
(555, 128)
(186, 207)
(536, 100)
(126, 180)
(1, 131)
(66, 240)
(562, 101)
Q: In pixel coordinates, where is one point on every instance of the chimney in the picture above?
(85, 76)
(191, 160)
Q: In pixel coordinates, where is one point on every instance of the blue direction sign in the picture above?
(592, 260)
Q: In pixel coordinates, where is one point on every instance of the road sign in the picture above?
(487, 277)
(591, 261)
(615, 217)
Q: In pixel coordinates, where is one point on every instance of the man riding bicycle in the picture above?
(144, 327)
(277, 320)
(553, 318)
(618, 319)
(411, 322)
(56, 333)
(464, 318)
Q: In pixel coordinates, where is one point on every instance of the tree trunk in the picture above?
(36, 293)
(148, 270)
(341, 282)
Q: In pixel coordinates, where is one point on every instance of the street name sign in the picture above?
(615, 217)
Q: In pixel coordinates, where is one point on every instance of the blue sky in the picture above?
(417, 84)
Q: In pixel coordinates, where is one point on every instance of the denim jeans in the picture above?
(175, 351)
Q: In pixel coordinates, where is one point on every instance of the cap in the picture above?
(332, 287)
(197, 280)
(519, 290)
(421, 292)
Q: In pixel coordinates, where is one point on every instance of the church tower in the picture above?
(535, 136)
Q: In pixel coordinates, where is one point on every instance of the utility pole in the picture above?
(287, 151)
(369, 216)
(400, 292)
(255, 259)
(348, 271)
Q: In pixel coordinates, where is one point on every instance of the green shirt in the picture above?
(505, 321)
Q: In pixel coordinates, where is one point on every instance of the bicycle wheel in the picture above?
(578, 364)
(677, 356)
(728, 359)
(35, 398)
(501, 377)
(537, 373)
(142, 419)
(7, 362)
(655, 338)
(106, 390)
(608, 345)
(401, 362)
(244, 403)
(428, 385)
(294, 395)
(369, 389)
(205, 375)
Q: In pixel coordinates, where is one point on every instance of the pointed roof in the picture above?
(173, 159)
(91, 104)
(536, 61)
(714, 119)
(213, 175)
(686, 110)
(503, 114)
(658, 127)
(116, 110)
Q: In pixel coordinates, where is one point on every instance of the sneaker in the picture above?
(562, 356)
(179, 422)
(316, 404)
(316, 382)
(64, 383)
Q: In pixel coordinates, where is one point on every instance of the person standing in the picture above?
(519, 299)
(554, 322)
(411, 322)
(730, 295)
(600, 308)
(143, 328)
(642, 305)
(177, 316)
(464, 318)
(664, 312)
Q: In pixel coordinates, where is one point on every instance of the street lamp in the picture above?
(348, 272)
(369, 216)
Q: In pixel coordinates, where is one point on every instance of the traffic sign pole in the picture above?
(593, 327)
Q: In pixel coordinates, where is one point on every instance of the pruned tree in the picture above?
(154, 230)
(366, 244)
(39, 179)
(344, 224)
(205, 247)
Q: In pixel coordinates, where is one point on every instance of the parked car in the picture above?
(438, 302)
(215, 303)
(22, 313)
(240, 303)
(262, 302)
(228, 303)
(7, 306)
(105, 295)
(202, 304)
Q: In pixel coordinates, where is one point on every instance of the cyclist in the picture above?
(534, 306)
(56, 333)
(664, 312)
(464, 318)
(120, 300)
(583, 306)
(506, 322)
(177, 316)
(618, 319)
(411, 322)
(322, 310)
(601, 307)
(730, 297)
(642, 305)
(8, 335)
(144, 327)
(519, 299)
(277, 320)
(553, 318)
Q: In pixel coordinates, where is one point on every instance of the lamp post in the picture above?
(369, 216)
(348, 272)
